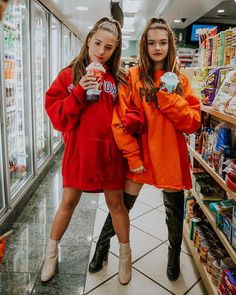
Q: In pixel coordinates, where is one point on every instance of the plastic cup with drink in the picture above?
(96, 69)
(169, 82)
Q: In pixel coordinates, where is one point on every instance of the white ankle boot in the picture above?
(50, 261)
(125, 264)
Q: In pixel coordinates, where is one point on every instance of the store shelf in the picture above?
(212, 172)
(211, 289)
(220, 115)
(219, 233)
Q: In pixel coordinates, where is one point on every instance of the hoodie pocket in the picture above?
(96, 160)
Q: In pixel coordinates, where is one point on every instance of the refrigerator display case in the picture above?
(66, 46)
(40, 82)
(55, 67)
(2, 192)
(79, 44)
(74, 51)
(16, 103)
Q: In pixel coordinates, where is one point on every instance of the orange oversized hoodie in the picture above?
(162, 147)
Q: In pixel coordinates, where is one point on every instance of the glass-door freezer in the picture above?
(55, 66)
(66, 47)
(40, 82)
(2, 191)
(17, 102)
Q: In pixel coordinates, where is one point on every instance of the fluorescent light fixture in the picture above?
(128, 29)
(177, 21)
(221, 11)
(82, 8)
(128, 21)
(130, 6)
(126, 37)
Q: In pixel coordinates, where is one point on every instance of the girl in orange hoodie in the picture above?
(159, 157)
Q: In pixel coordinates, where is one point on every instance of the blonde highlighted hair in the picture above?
(82, 60)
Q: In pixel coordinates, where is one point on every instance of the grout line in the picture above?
(192, 286)
(101, 284)
(148, 233)
(153, 280)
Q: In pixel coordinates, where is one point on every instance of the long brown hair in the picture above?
(146, 64)
(82, 60)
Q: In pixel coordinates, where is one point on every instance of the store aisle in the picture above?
(149, 246)
(20, 273)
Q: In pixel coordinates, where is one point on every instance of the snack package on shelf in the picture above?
(228, 46)
(225, 98)
(222, 207)
(233, 48)
(198, 79)
(209, 87)
(221, 48)
(227, 226)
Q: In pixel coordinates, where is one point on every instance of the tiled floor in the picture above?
(149, 252)
(20, 272)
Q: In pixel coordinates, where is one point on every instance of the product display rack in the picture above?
(211, 289)
(212, 172)
(206, 278)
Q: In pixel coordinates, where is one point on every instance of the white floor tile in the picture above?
(99, 221)
(154, 266)
(198, 289)
(151, 196)
(139, 285)
(141, 243)
(152, 223)
(161, 208)
(138, 209)
(110, 268)
(101, 199)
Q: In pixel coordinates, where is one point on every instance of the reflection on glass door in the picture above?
(2, 199)
(17, 93)
(79, 44)
(66, 53)
(40, 81)
(74, 51)
(55, 65)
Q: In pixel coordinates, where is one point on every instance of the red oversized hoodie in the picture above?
(91, 161)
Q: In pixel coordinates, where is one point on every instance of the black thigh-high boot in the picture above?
(174, 206)
(107, 232)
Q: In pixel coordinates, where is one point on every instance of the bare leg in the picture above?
(119, 214)
(132, 187)
(62, 219)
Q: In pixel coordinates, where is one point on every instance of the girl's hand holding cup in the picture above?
(93, 80)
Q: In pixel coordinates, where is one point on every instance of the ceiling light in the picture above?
(128, 29)
(220, 11)
(126, 36)
(177, 21)
(90, 27)
(82, 8)
(130, 6)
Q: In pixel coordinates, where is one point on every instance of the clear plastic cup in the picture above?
(96, 69)
(169, 82)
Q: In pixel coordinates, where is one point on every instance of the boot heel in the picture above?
(100, 256)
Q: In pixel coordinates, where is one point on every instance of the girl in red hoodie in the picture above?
(160, 157)
(92, 161)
